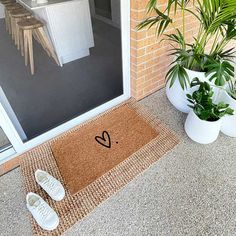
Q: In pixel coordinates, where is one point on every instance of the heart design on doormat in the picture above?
(104, 140)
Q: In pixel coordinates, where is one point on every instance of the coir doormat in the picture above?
(89, 152)
(97, 159)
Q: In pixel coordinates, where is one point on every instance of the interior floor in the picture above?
(189, 191)
(56, 94)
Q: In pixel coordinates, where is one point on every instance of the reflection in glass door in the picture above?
(88, 41)
(103, 8)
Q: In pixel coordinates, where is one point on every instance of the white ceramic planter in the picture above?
(228, 122)
(177, 96)
(202, 131)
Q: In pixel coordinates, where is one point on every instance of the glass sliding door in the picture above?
(103, 8)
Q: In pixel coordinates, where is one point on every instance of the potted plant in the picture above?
(229, 96)
(204, 121)
(216, 21)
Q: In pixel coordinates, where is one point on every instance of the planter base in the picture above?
(229, 126)
(229, 122)
(200, 131)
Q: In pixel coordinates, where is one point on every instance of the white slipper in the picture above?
(44, 215)
(51, 185)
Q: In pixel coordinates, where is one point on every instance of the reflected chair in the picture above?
(16, 16)
(28, 28)
(9, 7)
(6, 3)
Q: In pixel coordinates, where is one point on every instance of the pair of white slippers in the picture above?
(44, 215)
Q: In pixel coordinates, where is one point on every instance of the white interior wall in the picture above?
(115, 11)
(2, 14)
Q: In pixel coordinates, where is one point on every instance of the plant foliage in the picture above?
(202, 103)
(232, 89)
(217, 20)
(220, 71)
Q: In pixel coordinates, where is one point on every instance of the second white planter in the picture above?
(228, 122)
(202, 131)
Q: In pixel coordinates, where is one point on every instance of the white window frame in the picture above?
(20, 147)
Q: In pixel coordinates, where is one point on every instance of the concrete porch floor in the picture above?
(190, 191)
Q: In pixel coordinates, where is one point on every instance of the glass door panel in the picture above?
(103, 8)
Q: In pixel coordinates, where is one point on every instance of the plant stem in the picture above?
(183, 18)
(215, 42)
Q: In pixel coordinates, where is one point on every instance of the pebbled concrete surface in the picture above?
(190, 191)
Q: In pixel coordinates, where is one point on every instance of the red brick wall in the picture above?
(149, 56)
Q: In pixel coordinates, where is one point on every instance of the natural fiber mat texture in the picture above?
(74, 207)
(86, 154)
